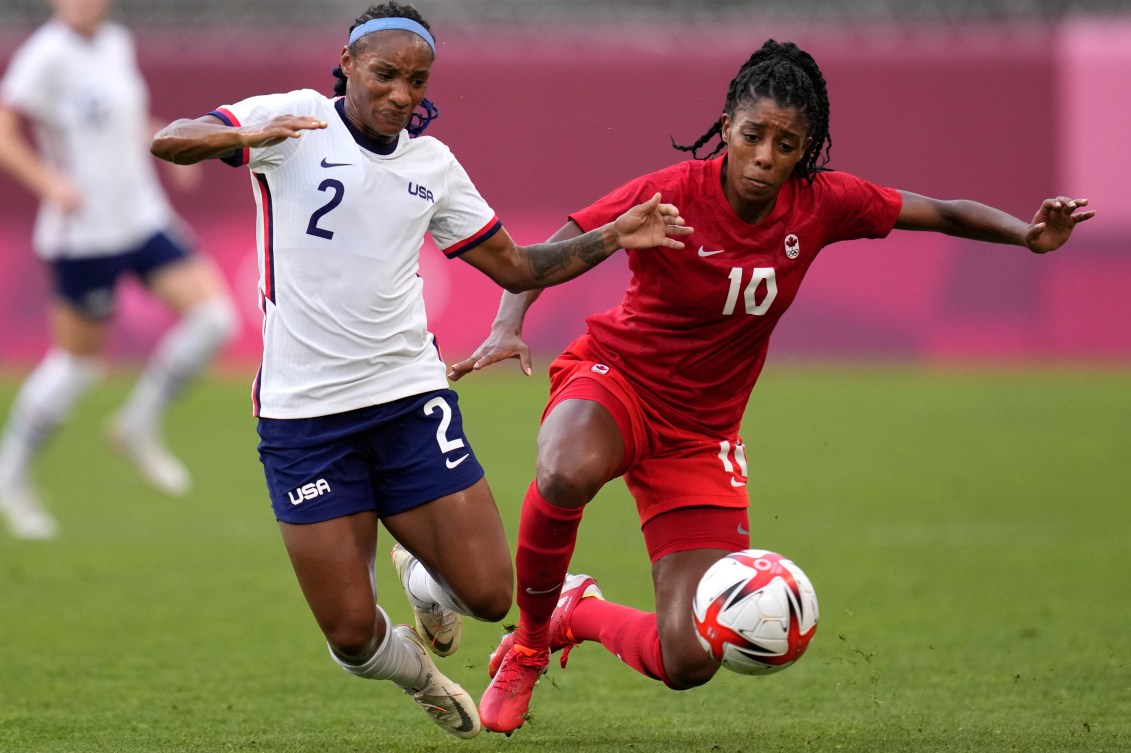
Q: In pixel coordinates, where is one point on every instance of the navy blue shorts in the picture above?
(386, 458)
(88, 283)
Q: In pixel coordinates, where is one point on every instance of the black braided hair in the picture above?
(788, 75)
(391, 9)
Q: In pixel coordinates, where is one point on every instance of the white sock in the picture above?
(44, 401)
(425, 592)
(393, 660)
(182, 353)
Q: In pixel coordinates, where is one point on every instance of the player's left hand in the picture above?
(503, 343)
(648, 225)
(1053, 223)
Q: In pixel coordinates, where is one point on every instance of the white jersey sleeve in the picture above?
(463, 219)
(29, 84)
(260, 110)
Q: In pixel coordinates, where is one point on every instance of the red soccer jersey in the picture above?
(692, 331)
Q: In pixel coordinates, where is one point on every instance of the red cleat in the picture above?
(574, 589)
(516, 671)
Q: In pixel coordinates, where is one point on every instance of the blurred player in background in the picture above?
(656, 388)
(103, 215)
(356, 420)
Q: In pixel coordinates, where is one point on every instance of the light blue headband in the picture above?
(386, 24)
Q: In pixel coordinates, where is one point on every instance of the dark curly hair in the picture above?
(788, 75)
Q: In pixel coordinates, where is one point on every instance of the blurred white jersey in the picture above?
(339, 232)
(90, 109)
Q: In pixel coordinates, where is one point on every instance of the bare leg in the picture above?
(461, 543)
(675, 578)
(333, 561)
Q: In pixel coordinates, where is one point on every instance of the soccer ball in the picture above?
(755, 612)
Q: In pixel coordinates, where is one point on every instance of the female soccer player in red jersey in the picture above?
(655, 389)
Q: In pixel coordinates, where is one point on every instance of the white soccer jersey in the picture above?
(90, 109)
(339, 232)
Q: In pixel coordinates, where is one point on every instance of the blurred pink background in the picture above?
(545, 124)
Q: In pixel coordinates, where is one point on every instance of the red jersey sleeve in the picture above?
(855, 208)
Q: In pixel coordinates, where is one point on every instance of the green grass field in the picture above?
(968, 533)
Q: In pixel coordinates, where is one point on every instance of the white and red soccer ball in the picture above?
(755, 612)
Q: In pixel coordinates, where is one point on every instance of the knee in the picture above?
(495, 608)
(491, 600)
(351, 638)
(684, 672)
(566, 485)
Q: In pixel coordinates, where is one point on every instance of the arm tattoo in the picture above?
(547, 258)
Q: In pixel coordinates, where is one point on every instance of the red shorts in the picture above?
(666, 468)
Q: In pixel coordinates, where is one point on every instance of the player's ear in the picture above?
(347, 60)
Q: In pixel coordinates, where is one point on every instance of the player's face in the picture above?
(764, 143)
(385, 81)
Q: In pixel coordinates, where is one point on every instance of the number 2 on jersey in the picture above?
(339, 191)
(752, 305)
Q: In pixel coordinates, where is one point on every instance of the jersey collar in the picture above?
(363, 140)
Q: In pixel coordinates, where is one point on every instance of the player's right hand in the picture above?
(503, 343)
(279, 128)
(58, 190)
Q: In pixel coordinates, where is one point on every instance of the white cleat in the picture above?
(441, 628)
(157, 465)
(26, 518)
(442, 699)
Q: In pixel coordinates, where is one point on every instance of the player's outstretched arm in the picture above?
(186, 142)
(505, 339)
(1050, 229)
(650, 224)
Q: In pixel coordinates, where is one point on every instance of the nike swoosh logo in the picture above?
(334, 164)
(436, 706)
(536, 592)
(439, 647)
(466, 722)
(736, 482)
(704, 252)
(453, 463)
(743, 531)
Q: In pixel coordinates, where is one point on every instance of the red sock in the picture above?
(546, 537)
(629, 634)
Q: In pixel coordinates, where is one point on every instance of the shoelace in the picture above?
(513, 672)
(565, 653)
(447, 617)
(432, 708)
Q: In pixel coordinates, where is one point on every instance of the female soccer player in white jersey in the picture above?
(654, 391)
(356, 420)
(103, 214)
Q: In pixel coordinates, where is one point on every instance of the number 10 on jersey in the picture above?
(750, 301)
